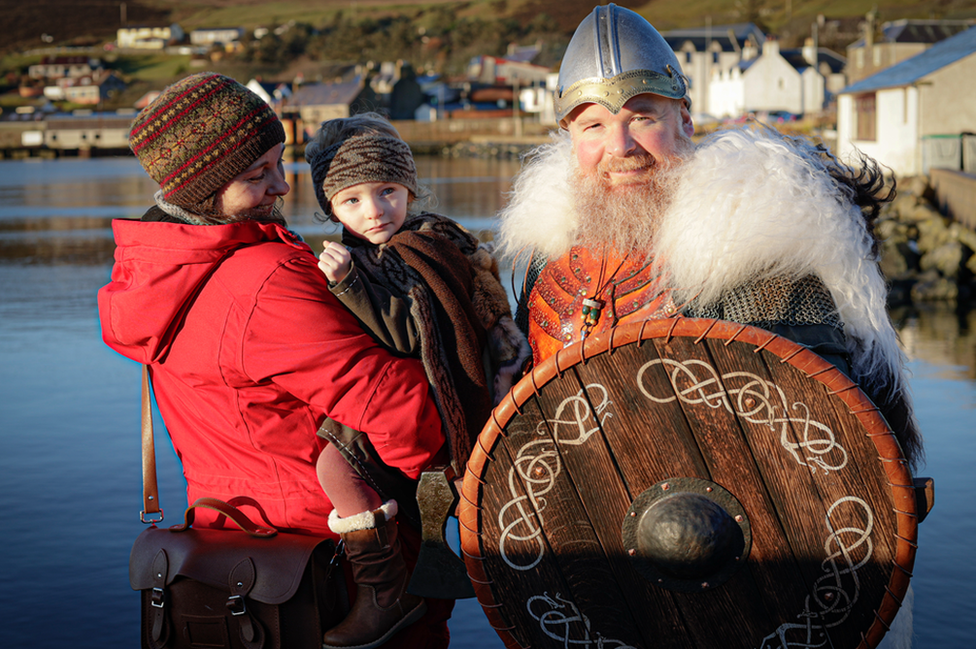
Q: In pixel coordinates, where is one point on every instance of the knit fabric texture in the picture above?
(200, 133)
(362, 159)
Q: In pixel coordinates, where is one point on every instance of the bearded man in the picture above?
(624, 219)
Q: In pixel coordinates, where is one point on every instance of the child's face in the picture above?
(372, 211)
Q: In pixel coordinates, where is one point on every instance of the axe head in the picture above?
(439, 572)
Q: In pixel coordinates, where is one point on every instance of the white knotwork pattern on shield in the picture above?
(561, 620)
(537, 464)
(754, 399)
(834, 594)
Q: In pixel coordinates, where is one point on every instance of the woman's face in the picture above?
(372, 211)
(254, 192)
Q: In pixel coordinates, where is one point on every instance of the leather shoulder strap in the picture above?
(150, 488)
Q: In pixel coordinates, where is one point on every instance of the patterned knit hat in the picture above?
(199, 134)
(362, 159)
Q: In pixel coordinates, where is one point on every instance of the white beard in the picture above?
(749, 205)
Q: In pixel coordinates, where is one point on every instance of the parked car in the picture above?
(781, 117)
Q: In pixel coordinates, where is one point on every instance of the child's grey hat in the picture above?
(362, 159)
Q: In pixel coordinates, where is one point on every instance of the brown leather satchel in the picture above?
(252, 588)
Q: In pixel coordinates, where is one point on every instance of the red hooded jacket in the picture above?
(249, 351)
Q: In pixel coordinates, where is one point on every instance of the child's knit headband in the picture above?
(363, 159)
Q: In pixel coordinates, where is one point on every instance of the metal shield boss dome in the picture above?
(614, 55)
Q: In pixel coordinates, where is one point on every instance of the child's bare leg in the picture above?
(349, 492)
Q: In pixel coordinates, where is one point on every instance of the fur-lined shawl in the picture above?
(751, 204)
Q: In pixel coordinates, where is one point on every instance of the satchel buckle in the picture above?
(158, 598)
(153, 521)
(235, 604)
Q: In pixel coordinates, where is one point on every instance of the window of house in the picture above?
(866, 109)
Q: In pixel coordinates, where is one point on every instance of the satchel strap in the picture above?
(159, 568)
(228, 510)
(150, 489)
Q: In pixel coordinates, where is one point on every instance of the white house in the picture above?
(795, 81)
(762, 84)
(58, 67)
(819, 89)
(273, 93)
(703, 51)
(148, 37)
(894, 42)
(216, 36)
(902, 115)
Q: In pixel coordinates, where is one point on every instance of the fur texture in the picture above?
(540, 214)
(750, 204)
(362, 520)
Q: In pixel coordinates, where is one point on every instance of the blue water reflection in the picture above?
(70, 486)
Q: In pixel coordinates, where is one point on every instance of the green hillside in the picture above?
(431, 34)
(67, 21)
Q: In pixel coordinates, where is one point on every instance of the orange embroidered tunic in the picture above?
(582, 294)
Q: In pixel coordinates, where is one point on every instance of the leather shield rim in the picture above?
(895, 465)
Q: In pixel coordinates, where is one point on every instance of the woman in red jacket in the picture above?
(247, 348)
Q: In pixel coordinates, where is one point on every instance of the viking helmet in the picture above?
(614, 55)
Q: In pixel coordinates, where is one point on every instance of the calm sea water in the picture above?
(70, 487)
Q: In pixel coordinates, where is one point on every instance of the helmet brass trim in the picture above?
(613, 93)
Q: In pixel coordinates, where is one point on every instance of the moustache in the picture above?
(644, 161)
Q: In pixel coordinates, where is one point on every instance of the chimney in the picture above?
(810, 52)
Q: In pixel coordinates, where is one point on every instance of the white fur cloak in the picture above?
(750, 204)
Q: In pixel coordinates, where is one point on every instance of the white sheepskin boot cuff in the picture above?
(361, 521)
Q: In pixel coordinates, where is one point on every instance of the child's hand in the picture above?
(335, 261)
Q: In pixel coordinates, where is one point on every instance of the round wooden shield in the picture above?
(686, 484)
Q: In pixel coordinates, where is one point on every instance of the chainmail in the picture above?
(775, 301)
(536, 264)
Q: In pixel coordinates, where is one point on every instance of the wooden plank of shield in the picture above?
(577, 418)
(862, 478)
(782, 527)
(841, 514)
(547, 550)
(696, 429)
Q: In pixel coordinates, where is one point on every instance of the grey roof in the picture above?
(795, 58)
(921, 65)
(328, 94)
(917, 31)
(924, 31)
(700, 36)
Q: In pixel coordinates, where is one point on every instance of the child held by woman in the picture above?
(424, 287)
